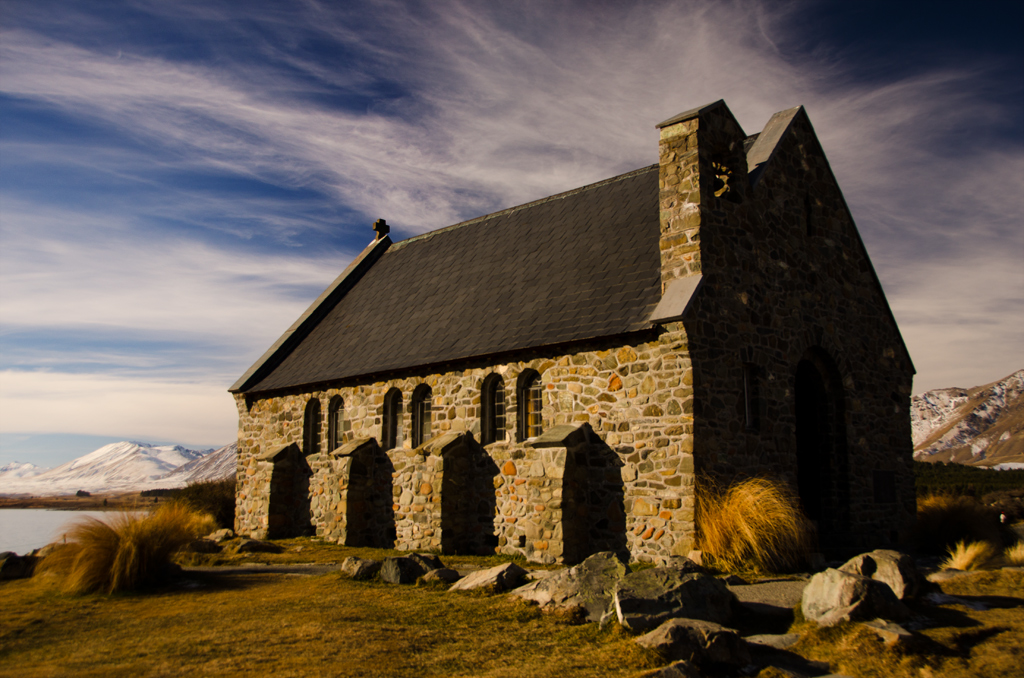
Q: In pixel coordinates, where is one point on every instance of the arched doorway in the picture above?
(822, 478)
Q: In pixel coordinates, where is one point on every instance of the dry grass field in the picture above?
(324, 625)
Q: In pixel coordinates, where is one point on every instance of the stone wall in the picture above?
(636, 400)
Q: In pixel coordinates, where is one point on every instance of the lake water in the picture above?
(22, 530)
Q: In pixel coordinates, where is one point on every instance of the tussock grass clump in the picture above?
(1014, 555)
(130, 551)
(216, 497)
(754, 525)
(974, 556)
(943, 520)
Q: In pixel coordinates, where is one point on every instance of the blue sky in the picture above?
(178, 180)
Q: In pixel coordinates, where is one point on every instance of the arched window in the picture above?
(492, 410)
(421, 414)
(336, 424)
(311, 427)
(529, 405)
(391, 422)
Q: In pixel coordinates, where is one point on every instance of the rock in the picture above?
(645, 599)
(443, 574)
(427, 561)
(360, 568)
(500, 578)
(696, 557)
(889, 567)
(13, 566)
(771, 598)
(401, 570)
(589, 586)
(946, 575)
(257, 546)
(778, 641)
(734, 580)
(221, 535)
(889, 632)
(685, 564)
(700, 642)
(203, 545)
(679, 669)
(833, 596)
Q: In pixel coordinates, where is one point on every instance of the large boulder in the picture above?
(401, 570)
(499, 578)
(360, 568)
(588, 586)
(893, 568)
(833, 596)
(645, 599)
(701, 642)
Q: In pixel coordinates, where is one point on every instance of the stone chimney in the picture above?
(703, 175)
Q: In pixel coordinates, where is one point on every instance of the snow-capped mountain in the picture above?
(981, 426)
(217, 465)
(18, 469)
(126, 467)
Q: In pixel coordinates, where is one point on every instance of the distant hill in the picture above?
(18, 470)
(980, 426)
(122, 467)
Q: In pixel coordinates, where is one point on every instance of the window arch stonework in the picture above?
(492, 410)
(311, 427)
(529, 405)
(420, 405)
(391, 420)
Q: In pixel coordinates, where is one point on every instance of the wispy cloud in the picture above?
(241, 180)
(193, 413)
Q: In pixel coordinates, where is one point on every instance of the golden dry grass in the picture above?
(943, 520)
(1014, 555)
(974, 556)
(754, 525)
(129, 550)
(292, 625)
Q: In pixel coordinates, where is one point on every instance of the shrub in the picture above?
(1015, 554)
(1008, 502)
(973, 556)
(944, 519)
(754, 525)
(132, 550)
(216, 497)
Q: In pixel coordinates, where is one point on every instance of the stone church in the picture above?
(554, 379)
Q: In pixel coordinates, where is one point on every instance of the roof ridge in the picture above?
(511, 210)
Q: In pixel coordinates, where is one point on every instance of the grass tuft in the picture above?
(974, 556)
(943, 520)
(754, 525)
(126, 553)
(1015, 554)
(216, 497)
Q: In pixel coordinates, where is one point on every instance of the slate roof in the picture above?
(577, 265)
